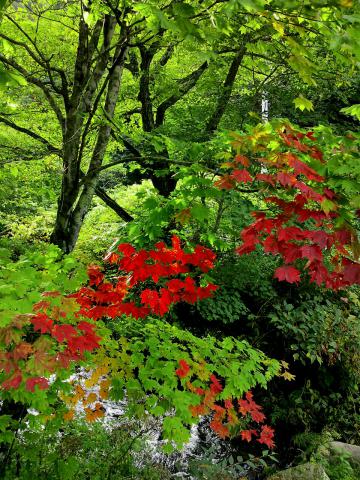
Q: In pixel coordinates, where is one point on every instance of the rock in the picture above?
(353, 451)
(308, 471)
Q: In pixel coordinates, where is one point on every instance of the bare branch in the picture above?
(51, 148)
(184, 86)
(113, 205)
(224, 97)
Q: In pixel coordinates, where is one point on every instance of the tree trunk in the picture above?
(77, 190)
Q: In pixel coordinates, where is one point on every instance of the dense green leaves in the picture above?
(23, 279)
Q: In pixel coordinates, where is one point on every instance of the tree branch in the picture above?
(101, 193)
(41, 60)
(36, 81)
(224, 97)
(113, 205)
(147, 115)
(185, 85)
(51, 148)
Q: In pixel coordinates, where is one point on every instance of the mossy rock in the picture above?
(308, 471)
(352, 451)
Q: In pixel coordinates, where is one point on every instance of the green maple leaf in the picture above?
(354, 111)
(303, 103)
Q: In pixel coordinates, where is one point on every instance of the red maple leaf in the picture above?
(247, 434)
(351, 272)
(286, 179)
(226, 182)
(288, 273)
(242, 176)
(321, 238)
(86, 327)
(228, 404)
(266, 436)
(301, 168)
(22, 351)
(42, 322)
(126, 249)
(184, 369)
(318, 273)
(317, 154)
(312, 252)
(13, 382)
(219, 428)
(95, 274)
(53, 293)
(291, 233)
(248, 405)
(84, 343)
(215, 385)
(41, 382)
(309, 192)
(266, 177)
(42, 305)
(63, 332)
(242, 159)
(7, 362)
(112, 257)
(310, 135)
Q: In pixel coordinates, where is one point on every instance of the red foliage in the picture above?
(288, 273)
(184, 369)
(248, 405)
(41, 382)
(224, 412)
(241, 176)
(303, 230)
(59, 343)
(266, 436)
(157, 265)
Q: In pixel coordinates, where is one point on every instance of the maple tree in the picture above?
(101, 299)
(63, 330)
(305, 222)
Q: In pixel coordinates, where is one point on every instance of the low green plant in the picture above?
(321, 329)
(79, 450)
(212, 465)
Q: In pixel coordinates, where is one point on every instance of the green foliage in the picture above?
(226, 306)
(315, 448)
(303, 103)
(354, 111)
(228, 466)
(342, 166)
(145, 357)
(246, 287)
(319, 329)
(79, 451)
(289, 50)
(339, 468)
(26, 275)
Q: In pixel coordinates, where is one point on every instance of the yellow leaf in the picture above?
(103, 394)
(279, 27)
(68, 416)
(284, 364)
(91, 398)
(288, 376)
